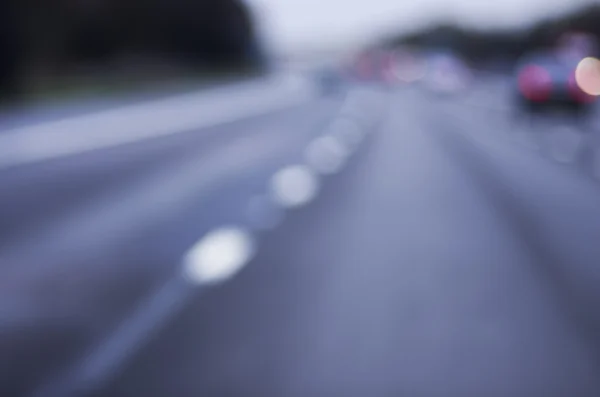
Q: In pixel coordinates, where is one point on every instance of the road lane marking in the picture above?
(129, 124)
(103, 362)
(294, 186)
(214, 259)
(218, 256)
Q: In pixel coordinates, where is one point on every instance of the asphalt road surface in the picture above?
(389, 243)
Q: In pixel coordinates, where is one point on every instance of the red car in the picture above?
(548, 81)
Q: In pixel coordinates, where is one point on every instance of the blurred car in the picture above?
(445, 73)
(546, 81)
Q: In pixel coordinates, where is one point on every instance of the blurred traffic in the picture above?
(555, 77)
(230, 198)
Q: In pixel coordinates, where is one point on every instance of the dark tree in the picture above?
(51, 36)
(11, 49)
(483, 46)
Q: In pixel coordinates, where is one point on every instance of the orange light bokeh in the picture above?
(588, 76)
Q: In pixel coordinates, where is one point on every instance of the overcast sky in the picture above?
(302, 24)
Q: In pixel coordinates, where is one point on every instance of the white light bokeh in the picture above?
(294, 186)
(218, 256)
(588, 76)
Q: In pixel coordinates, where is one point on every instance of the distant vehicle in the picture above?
(446, 73)
(545, 81)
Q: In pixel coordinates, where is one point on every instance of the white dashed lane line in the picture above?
(224, 252)
(220, 255)
(214, 259)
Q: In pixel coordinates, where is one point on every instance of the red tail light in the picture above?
(535, 83)
(577, 93)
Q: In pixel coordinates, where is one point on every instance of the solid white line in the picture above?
(134, 123)
(109, 358)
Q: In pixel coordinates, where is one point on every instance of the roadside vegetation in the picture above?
(60, 47)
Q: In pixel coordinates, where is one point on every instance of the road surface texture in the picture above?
(452, 250)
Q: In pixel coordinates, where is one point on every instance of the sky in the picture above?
(296, 25)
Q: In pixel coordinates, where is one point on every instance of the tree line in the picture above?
(50, 36)
(480, 46)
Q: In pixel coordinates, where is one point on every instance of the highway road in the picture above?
(380, 242)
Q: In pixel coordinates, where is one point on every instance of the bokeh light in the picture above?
(294, 186)
(588, 76)
(218, 256)
(535, 83)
